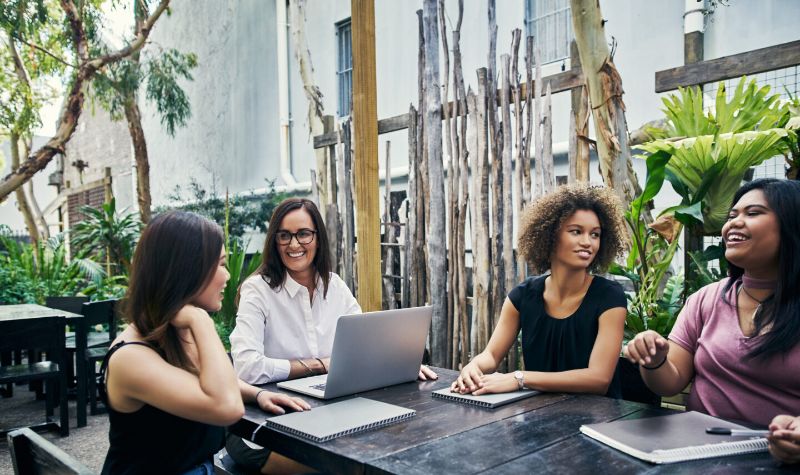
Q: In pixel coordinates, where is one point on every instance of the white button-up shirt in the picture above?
(274, 326)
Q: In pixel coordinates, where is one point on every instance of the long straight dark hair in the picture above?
(272, 268)
(781, 311)
(174, 261)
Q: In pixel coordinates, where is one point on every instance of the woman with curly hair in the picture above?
(571, 320)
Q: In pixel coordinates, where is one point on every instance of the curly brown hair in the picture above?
(542, 220)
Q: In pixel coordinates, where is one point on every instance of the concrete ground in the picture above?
(87, 444)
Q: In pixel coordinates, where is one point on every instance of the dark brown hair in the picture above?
(174, 260)
(272, 268)
(543, 218)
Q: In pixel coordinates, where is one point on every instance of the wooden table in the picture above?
(32, 311)
(539, 434)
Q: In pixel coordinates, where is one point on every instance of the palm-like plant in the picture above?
(44, 267)
(715, 149)
(110, 236)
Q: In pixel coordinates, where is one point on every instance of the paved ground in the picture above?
(88, 444)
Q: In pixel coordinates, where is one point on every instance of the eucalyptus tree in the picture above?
(76, 25)
(24, 87)
(117, 88)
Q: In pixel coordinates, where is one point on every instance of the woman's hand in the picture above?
(187, 316)
(426, 374)
(648, 348)
(469, 380)
(784, 441)
(275, 402)
(497, 383)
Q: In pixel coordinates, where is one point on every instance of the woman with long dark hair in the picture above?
(168, 383)
(288, 311)
(738, 338)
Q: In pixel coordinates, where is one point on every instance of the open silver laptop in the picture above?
(370, 350)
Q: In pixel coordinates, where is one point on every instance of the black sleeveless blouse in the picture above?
(151, 441)
(560, 344)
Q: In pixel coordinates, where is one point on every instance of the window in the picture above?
(550, 23)
(344, 67)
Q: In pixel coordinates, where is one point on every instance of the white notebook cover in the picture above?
(324, 423)
(673, 438)
(490, 401)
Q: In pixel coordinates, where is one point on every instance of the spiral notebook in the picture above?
(324, 423)
(490, 401)
(673, 438)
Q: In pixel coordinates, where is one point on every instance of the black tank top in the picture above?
(151, 441)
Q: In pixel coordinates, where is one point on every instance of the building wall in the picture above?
(231, 140)
(102, 142)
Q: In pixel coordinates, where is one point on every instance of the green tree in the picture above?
(75, 26)
(117, 89)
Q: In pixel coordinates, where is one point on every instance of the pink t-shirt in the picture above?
(726, 383)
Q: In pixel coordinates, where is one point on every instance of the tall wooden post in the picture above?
(365, 134)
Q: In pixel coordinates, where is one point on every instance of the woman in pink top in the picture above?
(738, 338)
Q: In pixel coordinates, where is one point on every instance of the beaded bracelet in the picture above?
(651, 368)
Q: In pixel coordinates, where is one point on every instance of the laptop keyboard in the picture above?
(320, 387)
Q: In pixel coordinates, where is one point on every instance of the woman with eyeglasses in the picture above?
(288, 310)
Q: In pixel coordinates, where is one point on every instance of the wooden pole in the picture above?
(365, 128)
(450, 136)
(548, 175)
(410, 281)
(482, 277)
(437, 231)
(463, 193)
(346, 200)
(580, 120)
(390, 232)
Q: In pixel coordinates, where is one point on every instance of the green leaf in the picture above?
(690, 215)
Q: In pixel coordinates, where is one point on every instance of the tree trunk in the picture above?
(38, 217)
(528, 144)
(605, 94)
(537, 125)
(316, 112)
(548, 175)
(73, 101)
(22, 200)
(389, 232)
(450, 137)
(133, 117)
(437, 231)
(410, 297)
(463, 193)
(579, 119)
(482, 277)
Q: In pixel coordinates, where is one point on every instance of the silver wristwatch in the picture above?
(520, 379)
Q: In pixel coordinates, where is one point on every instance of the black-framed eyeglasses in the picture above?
(304, 236)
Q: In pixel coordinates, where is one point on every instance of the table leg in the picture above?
(81, 370)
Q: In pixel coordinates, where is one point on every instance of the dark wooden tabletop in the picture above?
(538, 434)
(25, 311)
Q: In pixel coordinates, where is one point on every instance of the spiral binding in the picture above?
(365, 427)
(714, 450)
(462, 400)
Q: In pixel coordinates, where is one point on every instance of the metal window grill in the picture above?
(344, 67)
(550, 23)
